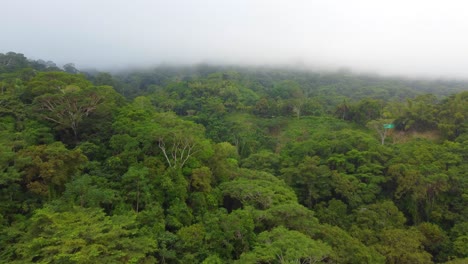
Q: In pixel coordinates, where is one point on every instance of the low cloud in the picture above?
(412, 38)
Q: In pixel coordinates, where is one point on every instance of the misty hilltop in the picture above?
(137, 81)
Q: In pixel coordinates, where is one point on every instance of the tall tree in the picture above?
(47, 168)
(84, 235)
(69, 108)
(285, 246)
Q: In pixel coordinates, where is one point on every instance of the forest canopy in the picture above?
(217, 164)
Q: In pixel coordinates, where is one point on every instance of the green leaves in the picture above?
(285, 246)
(84, 236)
(47, 168)
(379, 216)
(402, 246)
(258, 189)
(89, 191)
(163, 182)
(69, 108)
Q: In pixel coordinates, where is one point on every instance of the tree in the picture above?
(334, 212)
(310, 180)
(342, 110)
(365, 110)
(181, 148)
(453, 115)
(191, 244)
(69, 108)
(47, 168)
(175, 141)
(459, 235)
(12, 61)
(228, 235)
(422, 174)
(84, 235)
(420, 114)
(402, 246)
(70, 68)
(263, 160)
(381, 126)
(281, 245)
(435, 240)
(224, 162)
(137, 186)
(201, 179)
(371, 220)
(346, 248)
(290, 215)
(10, 179)
(89, 191)
(258, 189)
(52, 83)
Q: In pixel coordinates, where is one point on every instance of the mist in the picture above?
(408, 38)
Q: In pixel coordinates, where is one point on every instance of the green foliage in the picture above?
(12, 61)
(453, 115)
(365, 110)
(419, 113)
(89, 191)
(47, 168)
(333, 212)
(201, 179)
(402, 246)
(435, 239)
(346, 248)
(290, 215)
(258, 189)
(310, 180)
(422, 173)
(281, 245)
(212, 164)
(191, 242)
(224, 162)
(53, 83)
(459, 235)
(83, 236)
(234, 231)
(263, 160)
(136, 183)
(379, 216)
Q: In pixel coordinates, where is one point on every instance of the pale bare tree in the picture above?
(177, 149)
(68, 108)
(382, 127)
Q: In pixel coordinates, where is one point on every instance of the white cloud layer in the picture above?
(416, 38)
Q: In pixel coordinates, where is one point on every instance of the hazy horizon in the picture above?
(398, 38)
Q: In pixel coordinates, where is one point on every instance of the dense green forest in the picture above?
(225, 164)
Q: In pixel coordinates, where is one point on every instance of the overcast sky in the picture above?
(408, 37)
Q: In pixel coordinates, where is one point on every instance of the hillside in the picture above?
(227, 164)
